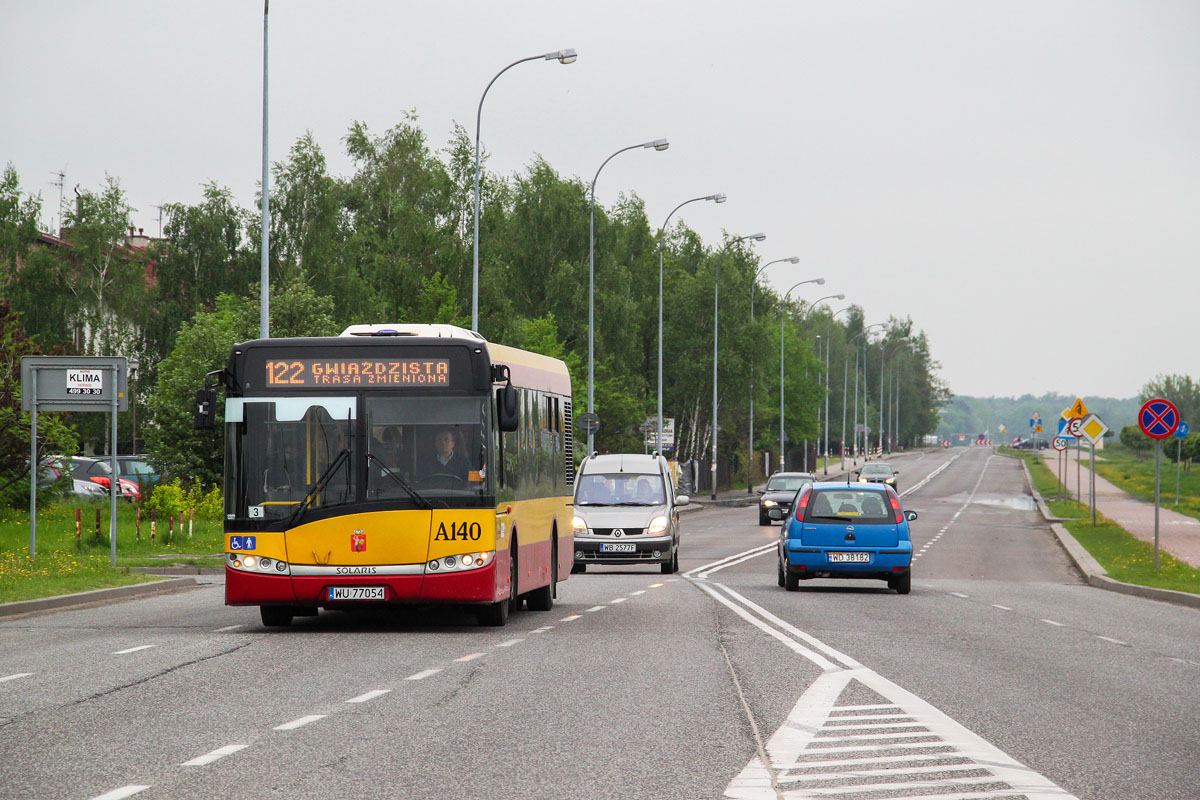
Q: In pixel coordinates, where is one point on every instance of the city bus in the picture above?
(394, 464)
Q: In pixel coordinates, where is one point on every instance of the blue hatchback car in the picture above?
(846, 530)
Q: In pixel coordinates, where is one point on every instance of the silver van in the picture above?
(626, 512)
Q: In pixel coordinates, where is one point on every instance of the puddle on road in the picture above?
(1017, 502)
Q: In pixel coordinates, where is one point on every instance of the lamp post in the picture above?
(782, 320)
(846, 360)
(719, 197)
(815, 303)
(264, 271)
(657, 144)
(567, 56)
(882, 359)
(753, 285)
(828, 339)
(758, 237)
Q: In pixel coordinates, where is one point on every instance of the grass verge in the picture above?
(65, 562)
(1123, 555)
(1133, 472)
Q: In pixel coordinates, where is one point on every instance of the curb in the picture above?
(1093, 573)
(64, 601)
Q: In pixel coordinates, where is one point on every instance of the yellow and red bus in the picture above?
(395, 464)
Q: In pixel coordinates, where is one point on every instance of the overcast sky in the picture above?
(1021, 178)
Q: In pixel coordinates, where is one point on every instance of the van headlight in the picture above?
(657, 525)
(579, 526)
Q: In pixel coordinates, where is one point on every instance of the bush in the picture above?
(168, 499)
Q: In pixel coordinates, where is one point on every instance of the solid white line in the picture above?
(124, 791)
(1052, 622)
(594, 608)
(296, 723)
(1002, 608)
(371, 695)
(510, 643)
(808, 639)
(208, 758)
(134, 649)
(721, 563)
(931, 476)
(14, 677)
(1114, 641)
(572, 617)
(767, 629)
(228, 628)
(420, 676)
(760, 552)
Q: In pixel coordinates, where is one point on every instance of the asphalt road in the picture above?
(1000, 676)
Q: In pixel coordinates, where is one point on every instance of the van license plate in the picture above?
(613, 547)
(357, 592)
(851, 558)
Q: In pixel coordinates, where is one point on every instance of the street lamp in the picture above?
(657, 144)
(753, 285)
(567, 56)
(758, 237)
(893, 392)
(882, 359)
(845, 377)
(782, 318)
(719, 197)
(811, 308)
(828, 340)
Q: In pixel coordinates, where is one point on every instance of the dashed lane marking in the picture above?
(510, 643)
(618, 600)
(228, 628)
(1002, 608)
(1114, 641)
(209, 758)
(639, 591)
(543, 629)
(123, 792)
(420, 676)
(298, 723)
(371, 695)
(1052, 622)
(594, 608)
(471, 657)
(571, 618)
(134, 649)
(14, 677)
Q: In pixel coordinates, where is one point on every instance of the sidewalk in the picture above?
(1178, 534)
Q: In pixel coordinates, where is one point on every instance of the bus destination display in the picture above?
(305, 372)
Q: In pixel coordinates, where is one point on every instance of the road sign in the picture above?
(1003, 428)
(1035, 415)
(1059, 443)
(1093, 428)
(1078, 409)
(1182, 431)
(1075, 426)
(1063, 433)
(1158, 418)
(588, 424)
(1037, 428)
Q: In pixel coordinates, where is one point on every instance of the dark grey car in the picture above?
(779, 493)
(626, 512)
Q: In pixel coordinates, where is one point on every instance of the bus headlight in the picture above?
(463, 563)
(657, 525)
(579, 526)
(259, 564)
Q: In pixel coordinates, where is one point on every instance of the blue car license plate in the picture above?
(849, 558)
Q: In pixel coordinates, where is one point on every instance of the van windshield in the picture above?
(620, 489)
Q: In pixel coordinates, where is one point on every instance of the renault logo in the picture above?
(618, 533)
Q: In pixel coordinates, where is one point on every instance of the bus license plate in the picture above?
(357, 592)
(850, 558)
(614, 547)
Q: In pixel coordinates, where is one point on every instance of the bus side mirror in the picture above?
(204, 414)
(506, 405)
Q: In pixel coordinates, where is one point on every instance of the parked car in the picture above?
(626, 512)
(779, 493)
(847, 530)
(98, 471)
(56, 468)
(879, 472)
(138, 469)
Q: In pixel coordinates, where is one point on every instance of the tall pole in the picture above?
(882, 359)
(657, 144)
(264, 273)
(719, 197)
(753, 285)
(829, 333)
(845, 379)
(716, 330)
(782, 321)
(1157, 475)
(855, 432)
(563, 57)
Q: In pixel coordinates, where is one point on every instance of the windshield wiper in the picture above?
(420, 501)
(320, 483)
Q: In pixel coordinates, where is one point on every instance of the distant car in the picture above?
(98, 471)
(138, 469)
(847, 530)
(626, 512)
(779, 493)
(879, 472)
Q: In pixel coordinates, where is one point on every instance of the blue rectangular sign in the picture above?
(242, 542)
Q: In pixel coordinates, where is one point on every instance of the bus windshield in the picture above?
(419, 451)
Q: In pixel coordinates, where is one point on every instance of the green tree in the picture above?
(1179, 389)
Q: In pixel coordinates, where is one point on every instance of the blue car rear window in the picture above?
(858, 506)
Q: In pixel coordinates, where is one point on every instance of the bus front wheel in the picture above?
(495, 615)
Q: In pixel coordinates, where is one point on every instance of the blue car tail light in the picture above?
(896, 507)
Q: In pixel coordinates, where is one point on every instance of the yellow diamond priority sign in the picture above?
(1093, 428)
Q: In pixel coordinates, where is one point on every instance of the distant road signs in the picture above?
(1075, 426)
(588, 423)
(1037, 428)
(1078, 409)
(1062, 429)
(1093, 428)
(1003, 428)
(1059, 443)
(1158, 418)
(1182, 431)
